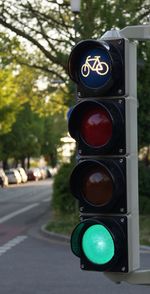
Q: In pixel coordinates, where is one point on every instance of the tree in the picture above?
(9, 102)
(32, 136)
(54, 128)
(16, 83)
(25, 107)
(25, 138)
(48, 26)
(144, 101)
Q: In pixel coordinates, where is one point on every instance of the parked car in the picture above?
(43, 173)
(3, 178)
(13, 176)
(33, 174)
(23, 174)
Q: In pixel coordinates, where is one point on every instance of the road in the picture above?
(33, 264)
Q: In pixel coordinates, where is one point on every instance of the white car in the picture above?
(23, 174)
(13, 176)
(3, 178)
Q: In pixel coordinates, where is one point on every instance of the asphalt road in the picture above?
(31, 263)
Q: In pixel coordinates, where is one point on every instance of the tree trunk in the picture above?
(28, 161)
(23, 162)
(5, 164)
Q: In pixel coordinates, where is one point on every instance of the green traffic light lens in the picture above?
(98, 245)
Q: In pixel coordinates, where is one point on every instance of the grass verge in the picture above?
(145, 230)
(64, 224)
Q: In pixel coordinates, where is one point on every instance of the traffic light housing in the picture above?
(98, 67)
(101, 244)
(99, 117)
(105, 180)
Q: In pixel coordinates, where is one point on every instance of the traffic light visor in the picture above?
(75, 237)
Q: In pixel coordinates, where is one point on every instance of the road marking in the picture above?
(11, 243)
(13, 214)
(46, 200)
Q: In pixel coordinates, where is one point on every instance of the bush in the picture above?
(144, 188)
(144, 205)
(63, 201)
(145, 230)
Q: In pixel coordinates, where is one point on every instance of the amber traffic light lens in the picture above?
(96, 127)
(98, 186)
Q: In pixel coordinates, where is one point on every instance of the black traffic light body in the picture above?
(100, 127)
(104, 181)
(113, 262)
(105, 177)
(108, 55)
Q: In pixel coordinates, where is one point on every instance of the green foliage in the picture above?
(63, 202)
(31, 120)
(52, 35)
(145, 229)
(144, 95)
(144, 205)
(51, 40)
(63, 224)
(25, 137)
(9, 102)
(54, 128)
(144, 188)
(8, 47)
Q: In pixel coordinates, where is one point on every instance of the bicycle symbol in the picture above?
(94, 64)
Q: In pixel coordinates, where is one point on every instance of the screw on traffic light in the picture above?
(103, 123)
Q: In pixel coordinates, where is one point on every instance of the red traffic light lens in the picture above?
(96, 127)
(98, 186)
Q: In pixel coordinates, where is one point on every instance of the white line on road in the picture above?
(13, 214)
(46, 200)
(11, 244)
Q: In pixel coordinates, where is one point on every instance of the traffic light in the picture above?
(105, 180)
(98, 67)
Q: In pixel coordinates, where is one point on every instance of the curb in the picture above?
(64, 238)
(144, 247)
(55, 236)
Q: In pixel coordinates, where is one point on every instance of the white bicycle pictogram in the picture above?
(94, 64)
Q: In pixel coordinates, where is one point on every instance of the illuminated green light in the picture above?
(98, 244)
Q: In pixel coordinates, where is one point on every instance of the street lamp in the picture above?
(75, 8)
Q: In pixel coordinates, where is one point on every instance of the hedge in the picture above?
(64, 202)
